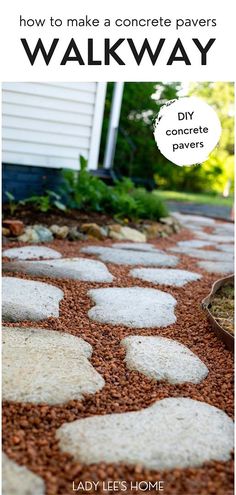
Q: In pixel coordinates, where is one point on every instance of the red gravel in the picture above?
(29, 430)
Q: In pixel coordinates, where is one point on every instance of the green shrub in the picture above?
(12, 202)
(123, 200)
(83, 191)
(45, 202)
(149, 204)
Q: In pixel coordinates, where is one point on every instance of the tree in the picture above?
(136, 152)
(218, 170)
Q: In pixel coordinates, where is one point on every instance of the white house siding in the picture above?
(51, 124)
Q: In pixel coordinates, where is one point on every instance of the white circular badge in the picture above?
(187, 130)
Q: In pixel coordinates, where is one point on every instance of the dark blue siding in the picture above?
(24, 181)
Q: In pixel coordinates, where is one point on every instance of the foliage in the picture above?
(83, 190)
(123, 200)
(149, 204)
(198, 198)
(12, 202)
(45, 202)
(136, 152)
(219, 168)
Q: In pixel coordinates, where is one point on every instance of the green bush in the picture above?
(45, 202)
(123, 200)
(83, 191)
(149, 204)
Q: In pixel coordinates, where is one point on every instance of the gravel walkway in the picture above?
(138, 417)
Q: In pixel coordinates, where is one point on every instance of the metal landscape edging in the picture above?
(223, 334)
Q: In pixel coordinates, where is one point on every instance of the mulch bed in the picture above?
(71, 217)
(29, 430)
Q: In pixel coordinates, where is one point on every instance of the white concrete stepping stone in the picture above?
(45, 366)
(165, 276)
(29, 300)
(18, 480)
(134, 307)
(31, 253)
(202, 254)
(210, 255)
(95, 249)
(224, 228)
(217, 266)
(215, 239)
(194, 243)
(194, 228)
(223, 231)
(71, 268)
(227, 248)
(163, 359)
(194, 219)
(172, 433)
(129, 257)
(136, 246)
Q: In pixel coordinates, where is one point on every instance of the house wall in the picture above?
(24, 181)
(45, 127)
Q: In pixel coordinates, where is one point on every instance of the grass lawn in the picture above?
(195, 198)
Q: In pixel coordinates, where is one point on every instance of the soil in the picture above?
(29, 430)
(72, 218)
(222, 307)
(30, 216)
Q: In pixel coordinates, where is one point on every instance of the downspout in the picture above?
(113, 125)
